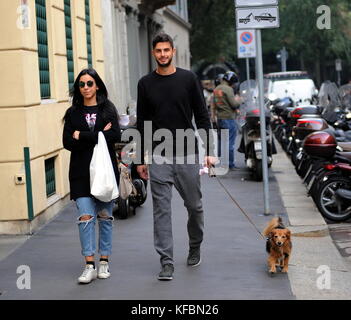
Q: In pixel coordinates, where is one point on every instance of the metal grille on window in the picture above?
(87, 22)
(69, 43)
(50, 177)
(44, 75)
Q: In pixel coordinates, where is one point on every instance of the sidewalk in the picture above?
(233, 253)
(313, 247)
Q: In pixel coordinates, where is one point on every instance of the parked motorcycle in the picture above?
(333, 182)
(251, 143)
(126, 207)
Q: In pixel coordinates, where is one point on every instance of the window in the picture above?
(69, 43)
(50, 176)
(87, 22)
(44, 73)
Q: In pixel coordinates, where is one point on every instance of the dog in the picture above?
(278, 245)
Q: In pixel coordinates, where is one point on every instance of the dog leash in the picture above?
(240, 208)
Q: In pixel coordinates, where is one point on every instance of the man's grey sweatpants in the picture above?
(186, 179)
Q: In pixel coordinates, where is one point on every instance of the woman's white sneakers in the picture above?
(103, 271)
(89, 273)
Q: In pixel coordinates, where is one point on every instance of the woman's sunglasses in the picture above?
(89, 84)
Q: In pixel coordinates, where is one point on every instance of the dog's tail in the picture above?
(275, 222)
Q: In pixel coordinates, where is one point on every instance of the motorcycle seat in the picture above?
(346, 146)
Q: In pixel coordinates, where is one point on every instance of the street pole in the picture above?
(247, 69)
(248, 74)
(284, 59)
(259, 76)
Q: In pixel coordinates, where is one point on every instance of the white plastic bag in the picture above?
(103, 185)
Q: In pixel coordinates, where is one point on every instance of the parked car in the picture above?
(294, 84)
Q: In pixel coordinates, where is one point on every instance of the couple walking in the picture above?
(169, 97)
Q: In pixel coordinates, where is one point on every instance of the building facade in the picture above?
(46, 44)
(128, 32)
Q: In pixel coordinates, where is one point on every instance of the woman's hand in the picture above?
(108, 126)
(76, 135)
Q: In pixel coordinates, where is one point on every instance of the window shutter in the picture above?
(87, 21)
(69, 43)
(44, 72)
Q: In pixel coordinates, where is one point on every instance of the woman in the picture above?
(91, 112)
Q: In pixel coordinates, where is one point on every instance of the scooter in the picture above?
(251, 143)
(125, 207)
(332, 173)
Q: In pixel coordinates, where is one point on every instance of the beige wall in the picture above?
(179, 31)
(27, 121)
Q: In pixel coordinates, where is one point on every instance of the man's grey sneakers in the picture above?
(103, 270)
(88, 274)
(166, 272)
(194, 258)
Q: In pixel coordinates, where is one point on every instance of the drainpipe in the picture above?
(28, 184)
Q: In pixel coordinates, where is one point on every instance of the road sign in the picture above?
(246, 44)
(255, 3)
(257, 18)
(338, 65)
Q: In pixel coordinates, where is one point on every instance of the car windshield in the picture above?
(299, 90)
(249, 94)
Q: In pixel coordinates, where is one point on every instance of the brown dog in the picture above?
(278, 245)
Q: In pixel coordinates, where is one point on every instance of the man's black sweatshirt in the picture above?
(170, 102)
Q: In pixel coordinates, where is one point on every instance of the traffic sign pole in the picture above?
(284, 58)
(249, 15)
(259, 76)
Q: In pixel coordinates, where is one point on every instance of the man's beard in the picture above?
(164, 65)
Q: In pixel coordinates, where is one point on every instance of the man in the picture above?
(170, 97)
(226, 108)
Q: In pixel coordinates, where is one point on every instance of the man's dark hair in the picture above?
(162, 37)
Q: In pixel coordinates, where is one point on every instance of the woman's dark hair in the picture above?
(162, 37)
(101, 95)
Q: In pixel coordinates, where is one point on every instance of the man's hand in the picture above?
(239, 100)
(210, 161)
(143, 171)
(76, 135)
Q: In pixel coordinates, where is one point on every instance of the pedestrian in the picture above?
(169, 97)
(226, 110)
(91, 112)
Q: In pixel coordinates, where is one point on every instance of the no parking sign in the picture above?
(246, 43)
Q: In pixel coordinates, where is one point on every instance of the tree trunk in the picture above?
(302, 62)
(317, 66)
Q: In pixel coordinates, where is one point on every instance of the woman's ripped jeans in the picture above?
(90, 210)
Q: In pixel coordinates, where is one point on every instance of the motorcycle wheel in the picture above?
(257, 171)
(124, 208)
(326, 202)
(140, 198)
